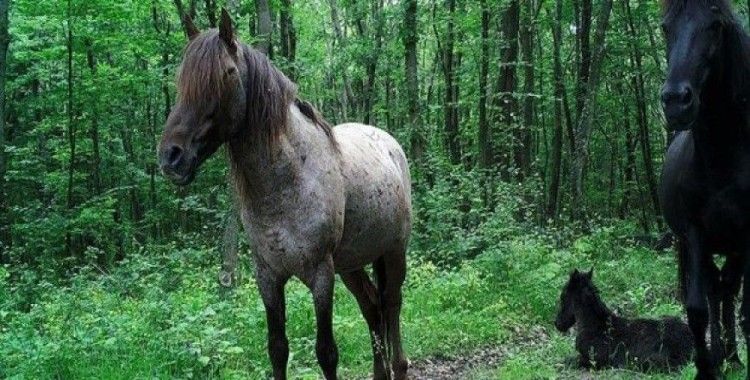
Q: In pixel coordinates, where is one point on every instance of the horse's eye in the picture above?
(230, 71)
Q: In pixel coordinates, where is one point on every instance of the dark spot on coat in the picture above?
(303, 158)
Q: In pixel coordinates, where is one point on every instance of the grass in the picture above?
(161, 314)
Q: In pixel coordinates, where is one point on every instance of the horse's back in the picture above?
(376, 176)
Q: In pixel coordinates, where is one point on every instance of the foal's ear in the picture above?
(190, 28)
(590, 273)
(226, 31)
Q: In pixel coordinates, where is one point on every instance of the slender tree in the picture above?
(410, 40)
(583, 126)
(4, 42)
(556, 160)
(264, 28)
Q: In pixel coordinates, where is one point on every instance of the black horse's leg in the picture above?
(745, 307)
(393, 268)
(271, 288)
(359, 283)
(713, 281)
(321, 283)
(696, 305)
(731, 274)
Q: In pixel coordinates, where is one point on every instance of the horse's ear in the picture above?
(190, 28)
(226, 31)
(590, 273)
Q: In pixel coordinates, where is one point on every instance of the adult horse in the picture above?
(705, 189)
(314, 200)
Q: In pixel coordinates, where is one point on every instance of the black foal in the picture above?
(606, 340)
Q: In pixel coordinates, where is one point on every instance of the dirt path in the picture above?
(443, 367)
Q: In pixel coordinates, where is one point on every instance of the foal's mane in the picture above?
(737, 43)
(202, 80)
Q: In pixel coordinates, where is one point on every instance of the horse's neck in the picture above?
(722, 129)
(260, 171)
(592, 313)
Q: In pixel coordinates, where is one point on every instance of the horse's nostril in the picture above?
(174, 155)
(686, 96)
(677, 95)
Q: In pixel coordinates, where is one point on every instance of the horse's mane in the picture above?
(738, 41)
(269, 92)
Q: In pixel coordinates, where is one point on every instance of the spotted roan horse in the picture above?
(314, 200)
(705, 185)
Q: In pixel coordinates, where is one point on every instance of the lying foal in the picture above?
(606, 340)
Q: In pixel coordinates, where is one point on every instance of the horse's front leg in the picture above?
(714, 283)
(696, 303)
(271, 288)
(731, 277)
(745, 307)
(320, 282)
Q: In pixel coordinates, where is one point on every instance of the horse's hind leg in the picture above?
(731, 275)
(360, 285)
(321, 283)
(391, 273)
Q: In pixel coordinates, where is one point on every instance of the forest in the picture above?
(534, 132)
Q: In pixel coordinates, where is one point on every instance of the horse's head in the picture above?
(211, 105)
(695, 32)
(578, 282)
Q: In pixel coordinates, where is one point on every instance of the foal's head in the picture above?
(699, 35)
(579, 284)
(211, 105)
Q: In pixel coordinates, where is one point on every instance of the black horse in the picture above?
(607, 340)
(705, 186)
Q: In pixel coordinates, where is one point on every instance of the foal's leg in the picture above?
(321, 283)
(731, 276)
(359, 283)
(272, 291)
(392, 269)
(696, 305)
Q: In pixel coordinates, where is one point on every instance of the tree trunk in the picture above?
(288, 37)
(265, 28)
(523, 132)
(372, 61)
(71, 126)
(554, 187)
(483, 137)
(411, 39)
(505, 102)
(347, 97)
(211, 12)
(450, 108)
(95, 170)
(583, 126)
(181, 12)
(643, 122)
(584, 65)
(4, 216)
